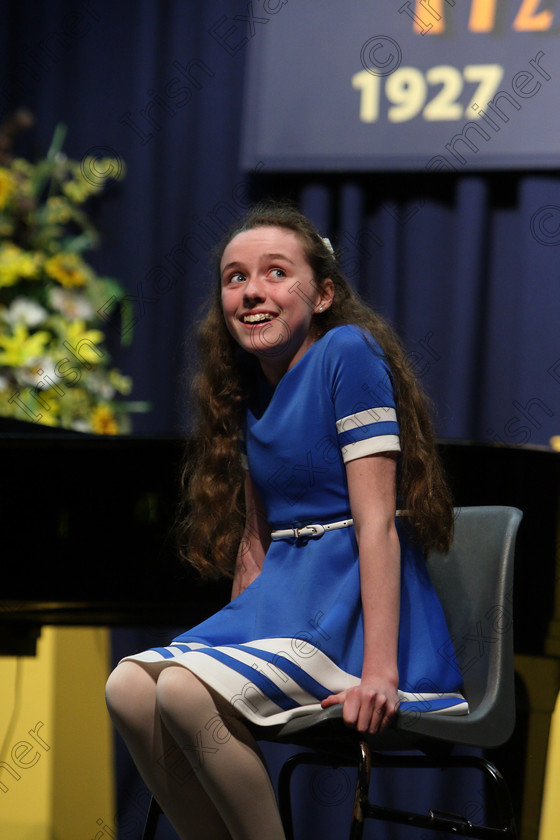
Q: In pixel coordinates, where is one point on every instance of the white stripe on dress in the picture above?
(249, 699)
(366, 418)
(370, 446)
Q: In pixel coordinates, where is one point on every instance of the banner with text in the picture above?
(434, 85)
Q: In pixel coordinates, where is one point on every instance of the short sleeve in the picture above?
(362, 395)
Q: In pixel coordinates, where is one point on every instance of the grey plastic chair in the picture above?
(474, 582)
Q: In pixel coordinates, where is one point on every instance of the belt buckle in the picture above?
(313, 531)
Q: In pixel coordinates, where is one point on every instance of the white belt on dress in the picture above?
(316, 531)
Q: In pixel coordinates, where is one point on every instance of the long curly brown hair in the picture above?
(211, 526)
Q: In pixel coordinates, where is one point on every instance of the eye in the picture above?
(278, 273)
(236, 278)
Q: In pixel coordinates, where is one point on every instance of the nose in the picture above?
(254, 288)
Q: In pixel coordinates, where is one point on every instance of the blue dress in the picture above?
(295, 635)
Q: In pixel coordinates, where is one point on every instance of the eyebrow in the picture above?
(279, 257)
(236, 264)
(231, 265)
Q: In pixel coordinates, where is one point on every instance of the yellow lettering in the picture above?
(528, 21)
(483, 15)
(368, 85)
(434, 8)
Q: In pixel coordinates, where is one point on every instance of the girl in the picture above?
(316, 469)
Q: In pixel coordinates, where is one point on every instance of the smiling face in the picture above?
(269, 297)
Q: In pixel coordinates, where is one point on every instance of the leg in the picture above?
(131, 699)
(223, 753)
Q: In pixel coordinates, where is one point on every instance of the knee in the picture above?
(179, 693)
(127, 691)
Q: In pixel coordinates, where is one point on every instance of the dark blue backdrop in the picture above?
(466, 265)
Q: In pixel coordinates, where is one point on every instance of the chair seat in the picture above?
(327, 725)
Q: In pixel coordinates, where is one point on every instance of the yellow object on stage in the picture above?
(56, 759)
(550, 813)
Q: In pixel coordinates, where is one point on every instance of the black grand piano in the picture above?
(87, 534)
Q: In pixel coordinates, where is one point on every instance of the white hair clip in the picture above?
(328, 245)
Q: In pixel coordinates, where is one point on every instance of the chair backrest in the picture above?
(475, 584)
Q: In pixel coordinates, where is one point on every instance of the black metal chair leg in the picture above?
(284, 782)
(432, 820)
(152, 818)
(323, 758)
(361, 796)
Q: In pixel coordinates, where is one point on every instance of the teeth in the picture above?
(254, 319)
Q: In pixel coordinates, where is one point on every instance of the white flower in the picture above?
(80, 426)
(71, 304)
(100, 386)
(36, 376)
(328, 245)
(24, 311)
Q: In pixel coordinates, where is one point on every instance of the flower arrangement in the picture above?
(54, 365)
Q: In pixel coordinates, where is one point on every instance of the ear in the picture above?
(326, 296)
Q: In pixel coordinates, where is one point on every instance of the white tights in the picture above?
(195, 755)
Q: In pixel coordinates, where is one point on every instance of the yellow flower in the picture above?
(76, 331)
(77, 191)
(48, 418)
(103, 421)
(84, 341)
(7, 186)
(122, 384)
(44, 403)
(21, 347)
(58, 210)
(23, 169)
(16, 264)
(68, 269)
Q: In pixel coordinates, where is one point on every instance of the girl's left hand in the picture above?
(369, 707)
